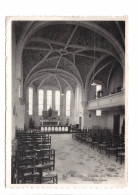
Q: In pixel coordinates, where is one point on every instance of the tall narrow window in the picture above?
(19, 91)
(30, 100)
(77, 99)
(49, 99)
(57, 101)
(40, 101)
(68, 100)
(98, 91)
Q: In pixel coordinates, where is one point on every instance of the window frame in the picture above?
(68, 105)
(30, 103)
(19, 91)
(97, 90)
(50, 105)
(77, 99)
(40, 103)
(58, 102)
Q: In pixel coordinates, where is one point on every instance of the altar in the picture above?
(49, 122)
(49, 118)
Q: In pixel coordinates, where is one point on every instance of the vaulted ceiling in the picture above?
(69, 53)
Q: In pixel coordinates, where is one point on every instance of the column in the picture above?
(35, 105)
(45, 98)
(53, 99)
(84, 104)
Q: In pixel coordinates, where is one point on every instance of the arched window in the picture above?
(30, 95)
(68, 100)
(49, 99)
(40, 101)
(57, 101)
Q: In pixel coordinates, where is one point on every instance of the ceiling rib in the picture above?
(74, 59)
(54, 71)
(74, 67)
(80, 50)
(50, 46)
(96, 49)
(108, 80)
(87, 56)
(66, 82)
(92, 26)
(58, 83)
(80, 47)
(108, 36)
(85, 24)
(58, 62)
(118, 25)
(47, 41)
(104, 66)
(40, 62)
(92, 69)
(68, 41)
(41, 83)
(37, 48)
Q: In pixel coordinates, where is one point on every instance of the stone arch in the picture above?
(91, 26)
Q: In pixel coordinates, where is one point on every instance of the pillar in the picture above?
(53, 99)
(84, 104)
(45, 103)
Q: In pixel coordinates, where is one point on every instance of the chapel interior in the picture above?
(68, 102)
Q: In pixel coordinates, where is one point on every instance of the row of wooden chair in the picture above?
(34, 160)
(104, 140)
(34, 134)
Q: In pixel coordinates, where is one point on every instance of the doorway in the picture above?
(116, 125)
(80, 122)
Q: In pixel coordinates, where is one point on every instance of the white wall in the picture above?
(91, 119)
(17, 108)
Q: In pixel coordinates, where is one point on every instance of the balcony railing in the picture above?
(112, 100)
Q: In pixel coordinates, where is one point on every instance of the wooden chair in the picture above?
(88, 137)
(121, 151)
(48, 158)
(50, 177)
(102, 141)
(94, 142)
(113, 147)
(121, 157)
(29, 175)
(14, 171)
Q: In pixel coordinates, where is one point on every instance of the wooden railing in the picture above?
(117, 99)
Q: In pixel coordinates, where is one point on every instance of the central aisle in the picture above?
(77, 163)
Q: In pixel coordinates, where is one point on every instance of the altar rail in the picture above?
(55, 129)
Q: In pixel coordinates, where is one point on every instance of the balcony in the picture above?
(113, 100)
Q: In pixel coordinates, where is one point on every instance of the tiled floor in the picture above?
(77, 163)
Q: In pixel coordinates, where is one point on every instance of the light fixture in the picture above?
(98, 113)
(93, 83)
(62, 93)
